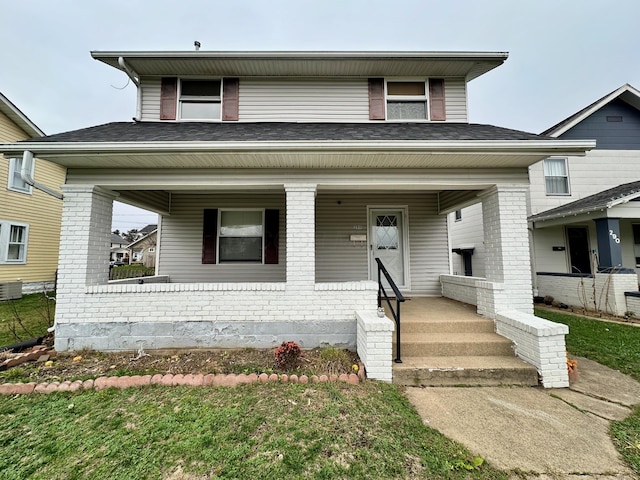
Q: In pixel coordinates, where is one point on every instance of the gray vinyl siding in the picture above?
(455, 90)
(304, 100)
(337, 259)
(181, 240)
(150, 99)
(624, 135)
(467, 232)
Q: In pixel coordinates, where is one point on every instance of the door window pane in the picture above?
(387, 232)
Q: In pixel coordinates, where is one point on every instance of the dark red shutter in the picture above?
(209, 235)
(230, 97)
(168, 98)
(436, 99)
(271, 237)
(376, 99)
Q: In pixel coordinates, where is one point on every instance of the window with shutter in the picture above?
(240, 236)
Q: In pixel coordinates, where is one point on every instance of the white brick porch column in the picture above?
(506, 243)
(301, 236)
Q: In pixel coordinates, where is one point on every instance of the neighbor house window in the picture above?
(240, 236)
(458, 215)
(200, 99)
(556, 176)
(16, 182)
(406, 101)
(13, 242)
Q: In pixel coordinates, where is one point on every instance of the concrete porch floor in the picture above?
(445, 342)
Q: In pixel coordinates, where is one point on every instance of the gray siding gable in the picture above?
(624, 135)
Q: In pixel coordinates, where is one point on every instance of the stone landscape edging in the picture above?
(197, 380)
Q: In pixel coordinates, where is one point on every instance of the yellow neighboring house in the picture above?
(29, 218)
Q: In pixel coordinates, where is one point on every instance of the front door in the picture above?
(387, 242)
(578, 239)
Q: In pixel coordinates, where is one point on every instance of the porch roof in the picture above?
(604, 200)
(296, 145)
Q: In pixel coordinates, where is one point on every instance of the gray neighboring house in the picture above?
(583, 212)
(118, 251)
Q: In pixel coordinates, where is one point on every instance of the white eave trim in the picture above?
(14, 113)
(536, 147)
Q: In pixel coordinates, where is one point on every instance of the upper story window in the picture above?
(556, 176)
(200, 99)
(406, 101)
(16, 182)
(13, 242)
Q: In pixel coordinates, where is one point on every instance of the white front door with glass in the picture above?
(387, 242)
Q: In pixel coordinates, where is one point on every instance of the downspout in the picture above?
(25, 174)
(135, 78)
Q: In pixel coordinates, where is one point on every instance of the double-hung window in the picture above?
(16, 183)
(556, 176)
(13, 242)
(407, 101)
(240, 236)
(200, 99)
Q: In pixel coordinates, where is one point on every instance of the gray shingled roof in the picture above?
(266, 131)
(598, 201)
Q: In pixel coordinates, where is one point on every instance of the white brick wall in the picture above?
(508, 266)
(374, 336)
(462, 289)
(579, 291)
(301, 224)
(538, 342)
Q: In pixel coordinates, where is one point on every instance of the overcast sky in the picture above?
(563, 55)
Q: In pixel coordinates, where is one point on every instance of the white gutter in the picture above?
(132, 75)
(25, 174)
(550, 147)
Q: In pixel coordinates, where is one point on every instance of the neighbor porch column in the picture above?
(301, 236)
(506, 243)
(84, 251)
(609, 246)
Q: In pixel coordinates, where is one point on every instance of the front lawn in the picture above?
(26, 318)
(616, 346)
(328, 431)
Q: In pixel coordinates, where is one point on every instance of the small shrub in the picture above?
(287, 354)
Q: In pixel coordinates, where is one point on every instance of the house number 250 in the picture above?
(613, 235)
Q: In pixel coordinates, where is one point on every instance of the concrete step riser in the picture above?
(449, 349)
(442, 327)
(468, 377)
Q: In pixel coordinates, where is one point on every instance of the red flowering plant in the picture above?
(287, 355)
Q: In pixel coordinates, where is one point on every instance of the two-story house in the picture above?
(280, 180)
(29, 218)
(584, 215)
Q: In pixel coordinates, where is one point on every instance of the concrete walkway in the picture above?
(542, 433)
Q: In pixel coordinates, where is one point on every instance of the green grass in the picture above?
(321, 431)
(616, 346)
(611, 344)
(35, 313)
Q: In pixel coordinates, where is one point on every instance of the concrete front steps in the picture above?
(446, 351)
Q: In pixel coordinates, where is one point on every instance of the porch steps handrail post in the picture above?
(399, 299)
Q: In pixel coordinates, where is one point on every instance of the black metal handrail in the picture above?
(399, 299)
